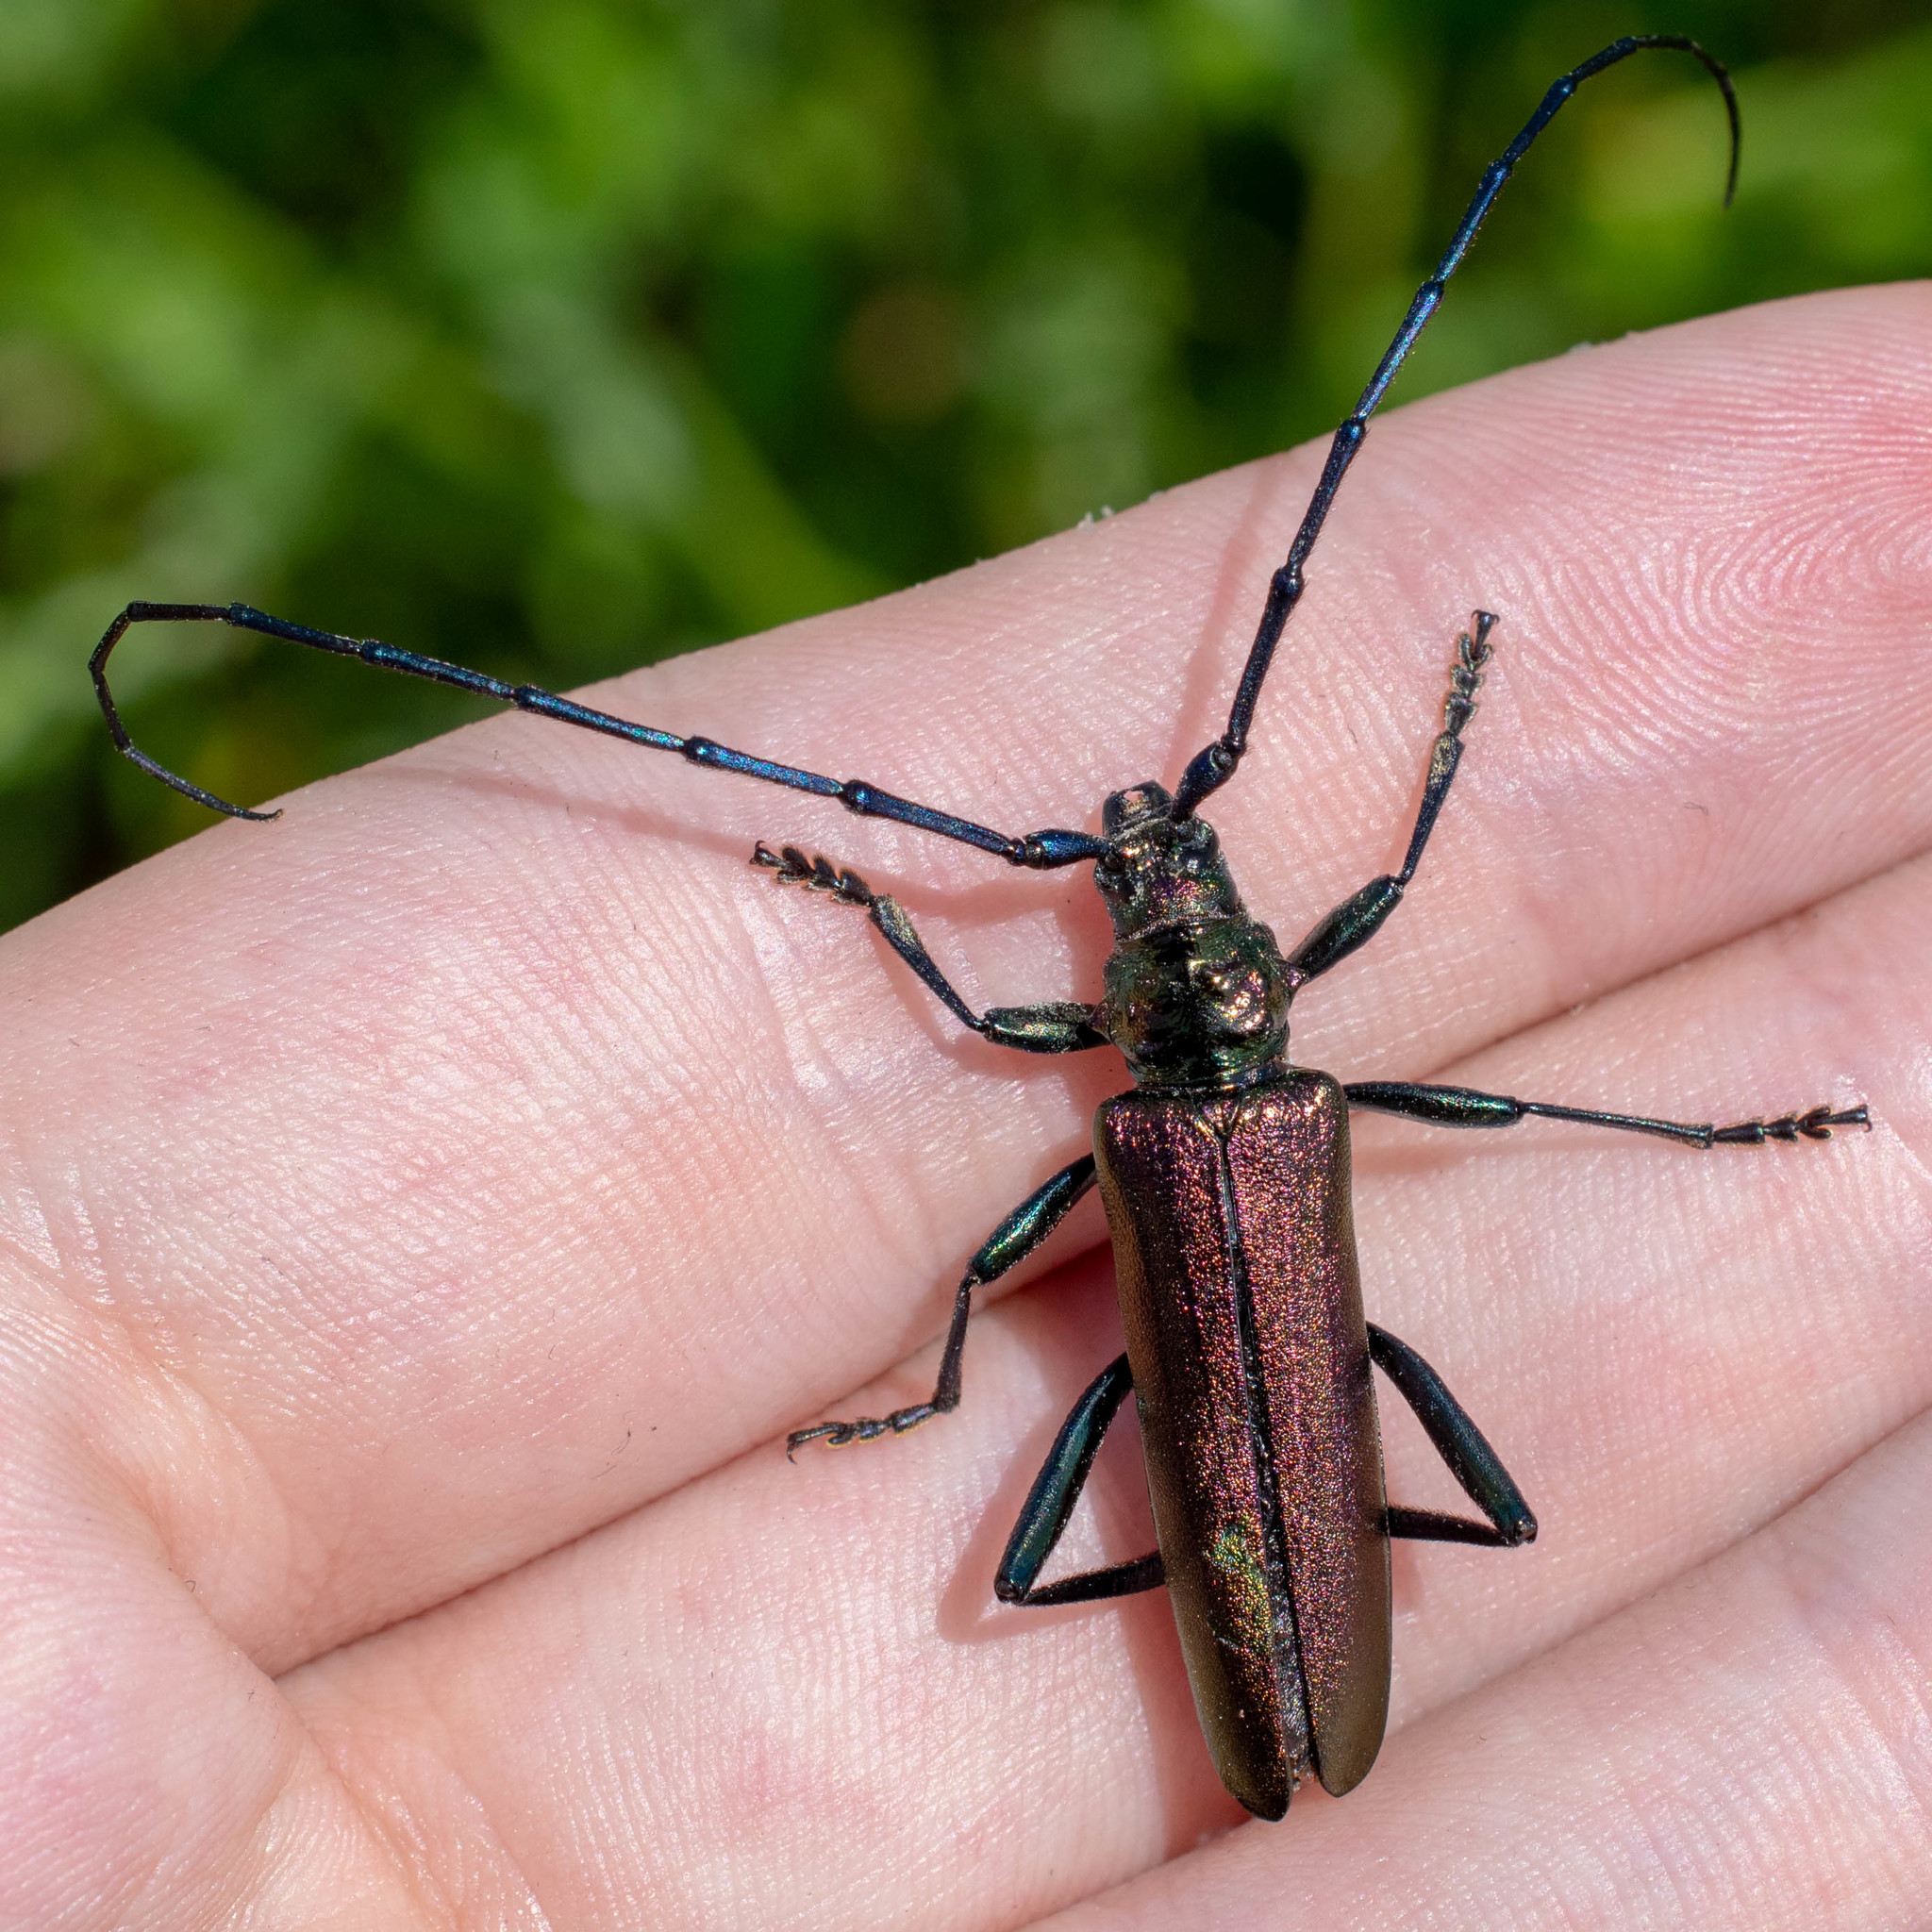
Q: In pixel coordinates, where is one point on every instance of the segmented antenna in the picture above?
(1215, 764)
(1040, 851)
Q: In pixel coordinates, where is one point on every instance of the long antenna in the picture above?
(1040, 851)
(1213, 766)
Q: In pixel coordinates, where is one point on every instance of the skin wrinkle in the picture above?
(161, 1870)
(1619, 1819)
(1821, 1595)
(180, 1426)
(294, 1793)
(775, 936)
(393, 1822)
(754, 1097)
(1650, 1829)
(1780, 1572)
(801, 1030)
(25, 1228)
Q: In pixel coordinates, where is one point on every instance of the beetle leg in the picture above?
(1051, 1027)
(1010, 1244)
(1460, 1444)
(1050, 1505)
(1358, 919)
(1462, 1106)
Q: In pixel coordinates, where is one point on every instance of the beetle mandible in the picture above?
(1225, 1172)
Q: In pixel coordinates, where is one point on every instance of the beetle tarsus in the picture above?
(793, 868)
(1473, 655)
(1006, 1247)
(1816, 1125)
(1356, 920)
(868, 1428)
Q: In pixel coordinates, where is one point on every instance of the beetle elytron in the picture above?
(1225, 1175)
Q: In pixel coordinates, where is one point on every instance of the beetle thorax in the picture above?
(1197, 993)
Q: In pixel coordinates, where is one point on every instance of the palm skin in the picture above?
(420, 1220)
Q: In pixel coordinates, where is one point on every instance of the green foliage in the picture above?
(558, 338)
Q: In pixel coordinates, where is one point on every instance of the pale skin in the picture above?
(421, 1219)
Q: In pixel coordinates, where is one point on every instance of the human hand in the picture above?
(422, 1219)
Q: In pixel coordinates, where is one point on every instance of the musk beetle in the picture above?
(1226, 1175)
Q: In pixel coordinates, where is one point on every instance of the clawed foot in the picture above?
(1473, 655)
(867, 1429)
(1815, 1125)
(815, 875)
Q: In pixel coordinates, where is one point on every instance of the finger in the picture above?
(787, 1690)
(150, 1776)
(1747, 1750)
(479, 1152)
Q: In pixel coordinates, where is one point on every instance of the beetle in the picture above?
(1225, 1171)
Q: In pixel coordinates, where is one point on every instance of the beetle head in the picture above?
(1157, 870)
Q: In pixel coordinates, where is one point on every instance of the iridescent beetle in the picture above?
(1226, 1177)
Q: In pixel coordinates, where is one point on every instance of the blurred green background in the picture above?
(558, 337)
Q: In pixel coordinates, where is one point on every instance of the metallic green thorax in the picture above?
(1196, 991)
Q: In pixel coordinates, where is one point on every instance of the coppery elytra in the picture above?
(1226, 1175)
